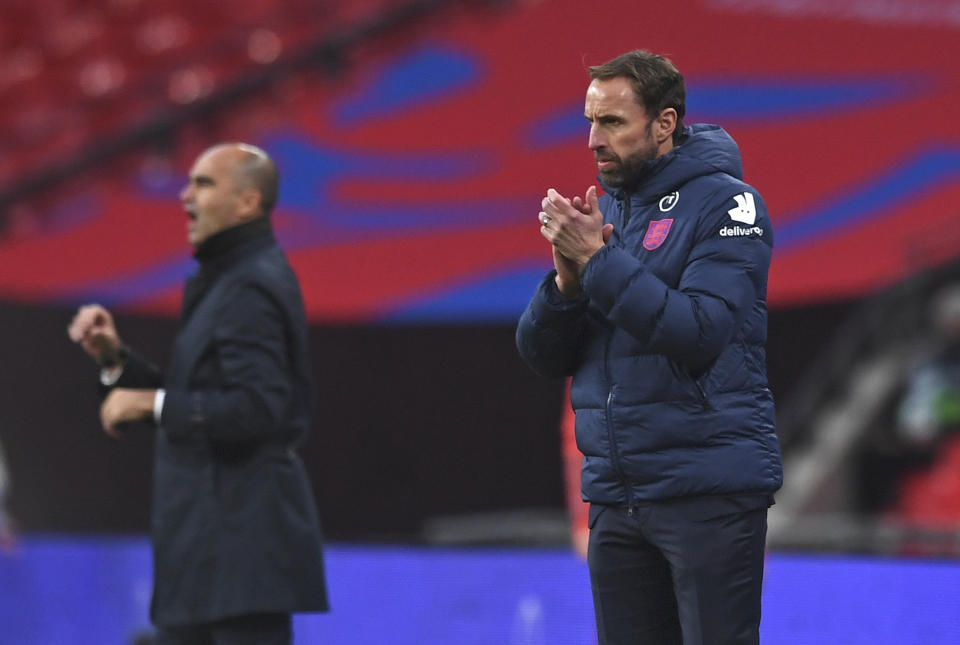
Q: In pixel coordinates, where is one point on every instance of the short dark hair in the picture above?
(657, 84)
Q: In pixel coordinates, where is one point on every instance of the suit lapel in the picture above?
(196, 326)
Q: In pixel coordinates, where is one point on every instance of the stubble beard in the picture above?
(626, 172)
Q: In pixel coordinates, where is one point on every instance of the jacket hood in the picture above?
(704, 149)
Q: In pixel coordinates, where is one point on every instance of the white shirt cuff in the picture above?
(158, 405)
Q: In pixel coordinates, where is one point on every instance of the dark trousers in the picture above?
(685, 572)
(256, 629)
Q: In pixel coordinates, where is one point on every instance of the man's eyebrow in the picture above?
(604, 117)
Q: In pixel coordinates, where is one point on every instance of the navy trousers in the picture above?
(256, 629)
(679, 572)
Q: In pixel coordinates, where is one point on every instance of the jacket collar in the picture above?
(220, 249)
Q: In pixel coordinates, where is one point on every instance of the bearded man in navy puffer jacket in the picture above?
(657, 308)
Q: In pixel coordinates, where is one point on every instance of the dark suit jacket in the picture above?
(234, 524)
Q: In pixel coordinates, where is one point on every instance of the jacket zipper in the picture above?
(704, 401)
(702, 393)
(614, 452)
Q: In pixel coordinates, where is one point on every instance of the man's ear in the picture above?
(665, 124)
(250, 204)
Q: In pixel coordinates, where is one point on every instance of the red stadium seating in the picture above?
(72, 71)
(932, 497)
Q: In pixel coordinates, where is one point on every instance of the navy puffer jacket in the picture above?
(666, 346)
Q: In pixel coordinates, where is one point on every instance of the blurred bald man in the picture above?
(237, 542)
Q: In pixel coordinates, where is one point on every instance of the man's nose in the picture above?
(185, 192)
(594, 140)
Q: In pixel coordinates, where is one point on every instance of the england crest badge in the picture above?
(656, 233)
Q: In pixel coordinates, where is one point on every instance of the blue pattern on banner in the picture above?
(496, 298)
(882, 193)
(421, 76)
